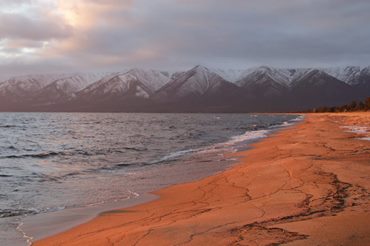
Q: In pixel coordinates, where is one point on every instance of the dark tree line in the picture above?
(350, 107)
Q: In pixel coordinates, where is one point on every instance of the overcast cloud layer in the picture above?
(38, 36)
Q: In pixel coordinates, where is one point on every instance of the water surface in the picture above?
(56, 161)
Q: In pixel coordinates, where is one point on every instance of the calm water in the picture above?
(54, 161)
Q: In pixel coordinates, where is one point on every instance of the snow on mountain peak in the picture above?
(25, 87)
(199, 80)
(146, 82)
(65, 84)
(263, 74)
(151, 78)
(27, 83)
(231, 75)
(347, 74)
(75, 82)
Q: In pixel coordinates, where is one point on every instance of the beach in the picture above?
(308, 184)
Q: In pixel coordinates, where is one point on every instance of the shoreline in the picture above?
(198, 209)
(43, 225)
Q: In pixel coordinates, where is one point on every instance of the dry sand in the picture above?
(306, 185)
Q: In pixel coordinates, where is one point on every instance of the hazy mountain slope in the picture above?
(65, 88)
(25, 86)
(264, 82)
(231, 75)
(316, 88)
(362, 84)
(197, 89)
(349, 74)
(135, 82)
(128, 91)
(199, 81)
(17, 93)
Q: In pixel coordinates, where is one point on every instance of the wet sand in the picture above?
(305, 185)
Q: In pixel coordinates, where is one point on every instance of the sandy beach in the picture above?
(305, 185)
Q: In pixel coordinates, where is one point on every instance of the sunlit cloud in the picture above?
(114, 34)
(88, 13)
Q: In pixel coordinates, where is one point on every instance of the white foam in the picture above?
(356, 129)
(26, 237)
(286, 123)
(231, 144)
(360, 130)
(247, 136)
(289, 123)
(174, 155)
(365, 138)
(228, 145)
(299, 118)
(133, 194)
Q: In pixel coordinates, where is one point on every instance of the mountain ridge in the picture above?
(202, 89)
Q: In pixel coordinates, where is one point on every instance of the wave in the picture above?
(232, 144)
(45, 155)
(236, 141)
(16, 212)
(224, 146)
(111, 167)
(37, 155)
(249, 136)
(299, 118)
(135, 149)
(289, 122)
(8, 126)
(174, 155)
(5, 176)
(4, 213)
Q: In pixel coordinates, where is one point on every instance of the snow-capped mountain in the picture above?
(349, 74)
(76, 82)
(198, 81)
(65, 88)
(265, 81)
(135, 82)
(317, 78)
(284, 77)
(198, 89)
(231, 75)
(152, 79)
(262, 74)
(317, 87)
(363, 78)
(25, 86)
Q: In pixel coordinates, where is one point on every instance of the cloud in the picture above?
(14, 2)
(176, 34)
(17, 26)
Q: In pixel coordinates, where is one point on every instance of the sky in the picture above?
(46, 36)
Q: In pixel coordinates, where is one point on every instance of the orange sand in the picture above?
(306, 185)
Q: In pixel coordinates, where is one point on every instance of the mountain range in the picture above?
(200, 89)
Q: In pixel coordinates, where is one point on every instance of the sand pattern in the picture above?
(306, 185)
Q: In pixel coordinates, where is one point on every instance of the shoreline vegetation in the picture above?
(305, 185)
(354, 106)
